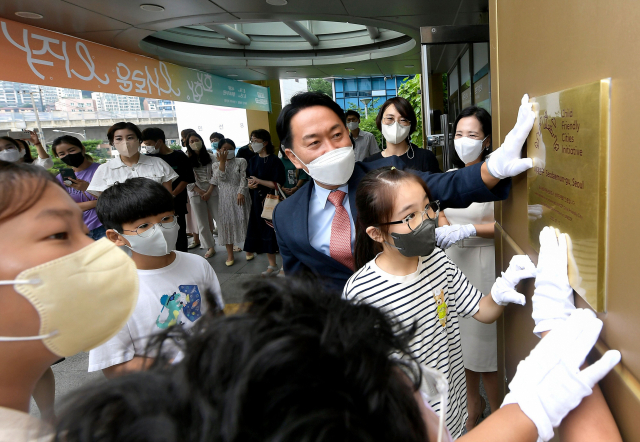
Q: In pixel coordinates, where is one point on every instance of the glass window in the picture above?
(378, 93)
(391, 83)
(340, 103)
(339, 94)
(453, 81)
(364, 84)
(338, 85)
(378, 83)
(464, 69)
(352, 101)
(351, 84)
(480, 56)
(390, 94)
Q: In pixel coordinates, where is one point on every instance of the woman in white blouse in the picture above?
(13, 151)
(130, 163)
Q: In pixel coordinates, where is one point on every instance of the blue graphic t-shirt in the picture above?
(168, 296)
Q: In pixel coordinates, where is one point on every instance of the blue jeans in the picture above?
(97, 233)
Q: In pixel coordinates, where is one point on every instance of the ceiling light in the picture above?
(29, 15)
(291, 72)
(232, 75)
(348, 69)
(408, 65)
(152, 8)
(277, 2)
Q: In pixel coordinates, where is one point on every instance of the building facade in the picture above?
(115, 102)
(75, 105)
(349, 92)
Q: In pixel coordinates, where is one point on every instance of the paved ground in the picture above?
(72, 373)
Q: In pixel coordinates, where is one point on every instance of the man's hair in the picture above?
(299, 364)
(299, 102)
(153, 134)
(132, 200)
(217, 135)
(123, 125)
(352, 113)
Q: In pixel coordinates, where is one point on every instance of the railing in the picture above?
(17, 117)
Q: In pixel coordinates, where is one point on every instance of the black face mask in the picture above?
(73, 159)
(420, 242)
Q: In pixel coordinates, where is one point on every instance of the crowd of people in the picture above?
(380, 327)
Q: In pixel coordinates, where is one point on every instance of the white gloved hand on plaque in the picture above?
(506, 161)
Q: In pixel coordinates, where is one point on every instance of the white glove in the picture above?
(506, 162)
(446, 236)
(548, 383)
(503, 291)
(553, 296)
(534, 211)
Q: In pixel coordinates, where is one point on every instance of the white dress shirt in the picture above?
(321, 213)
(115, 171)
(366, 145)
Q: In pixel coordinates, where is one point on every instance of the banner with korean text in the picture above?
(37, 56)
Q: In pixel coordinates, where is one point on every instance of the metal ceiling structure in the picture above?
(255, 40)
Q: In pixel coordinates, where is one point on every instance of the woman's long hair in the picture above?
(200, 158)
(375, 198)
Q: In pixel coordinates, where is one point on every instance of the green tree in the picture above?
(320, 85)
(411, 90)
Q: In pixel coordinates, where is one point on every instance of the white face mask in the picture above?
(257, 147)
(11, 155)
(231, 154)
(127, 148)
(395, 133)
(333, 168)
(196, 145)
(353, 125)
(468, 149)
(161, 242)
(83, 299)
(150, 150)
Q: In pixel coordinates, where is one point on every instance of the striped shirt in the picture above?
(433, 297)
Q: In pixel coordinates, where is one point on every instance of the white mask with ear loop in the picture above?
(468, 149)
(11, 155)
(395, 133)
(334, 168)
(161, 241)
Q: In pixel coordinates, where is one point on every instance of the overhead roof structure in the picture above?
(258, 39)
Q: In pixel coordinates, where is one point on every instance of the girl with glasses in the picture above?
(401, 271)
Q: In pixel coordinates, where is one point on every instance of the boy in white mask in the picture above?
(130, 163)
(139, 214)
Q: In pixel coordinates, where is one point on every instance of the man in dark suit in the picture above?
(313, 225)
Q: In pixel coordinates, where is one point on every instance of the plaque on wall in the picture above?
(568, 184)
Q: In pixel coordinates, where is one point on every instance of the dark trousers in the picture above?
(182, 244)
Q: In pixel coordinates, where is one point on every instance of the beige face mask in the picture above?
(127, 148)
(83, 299)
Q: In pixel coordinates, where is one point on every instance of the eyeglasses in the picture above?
(146, 230)
(389, 121)
(414, 220)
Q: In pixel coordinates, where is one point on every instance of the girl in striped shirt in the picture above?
(400, 271)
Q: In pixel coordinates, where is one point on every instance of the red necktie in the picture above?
(340, 244)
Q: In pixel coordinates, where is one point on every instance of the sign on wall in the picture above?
(569, 145)
(37, 56)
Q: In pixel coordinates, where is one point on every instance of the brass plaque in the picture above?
(567, 186)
